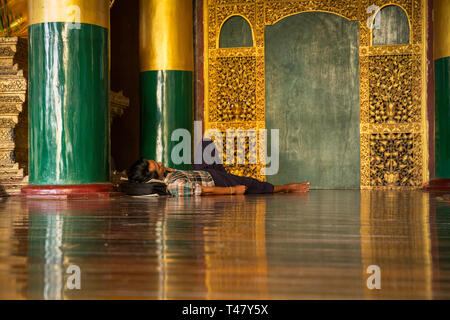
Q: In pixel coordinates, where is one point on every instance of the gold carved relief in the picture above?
(13, 110)
(393, 161)
(392, 98)
(392, 85)
(235, 101)
(277, 10)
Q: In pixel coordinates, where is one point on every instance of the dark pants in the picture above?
(224, 179)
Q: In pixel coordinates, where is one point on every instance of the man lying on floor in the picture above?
(151, 177)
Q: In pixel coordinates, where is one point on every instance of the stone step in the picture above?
(10, 167)
(14, 98)
(88, 196)
(7, 189)
(13, 182)
(12, 175)
(10, 109)
(8, 122)
(8, 72)
(10, 84)
(14, 166)
(7, 173)
(11, 186)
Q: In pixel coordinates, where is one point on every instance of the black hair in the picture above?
(138, 177)
(139, 172)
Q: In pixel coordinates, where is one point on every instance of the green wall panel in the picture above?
(312, 97)
(442, 114)
(235, 32)
(69, 124)
(393, 27)
(166, 105)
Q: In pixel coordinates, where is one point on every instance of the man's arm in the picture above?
(223, 190)
(185, 188)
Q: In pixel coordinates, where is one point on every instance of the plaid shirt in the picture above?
(188, 183)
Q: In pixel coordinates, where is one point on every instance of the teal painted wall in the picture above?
(442, 116)
(69, 120)
(166, 105)
(312, 97)
(235, 32)
(394, 27)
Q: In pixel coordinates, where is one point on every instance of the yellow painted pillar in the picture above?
(167, 66)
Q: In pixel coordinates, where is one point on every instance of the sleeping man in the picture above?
(151, 177)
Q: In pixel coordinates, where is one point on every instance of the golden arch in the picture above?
(305, 11)
(380, 9)
(225, 20)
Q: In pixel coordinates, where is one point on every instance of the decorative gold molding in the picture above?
(95, 12)
(441, 34)
(118, 103)
(235, 15)
(392, 84)
(166, 40)
(13, 87)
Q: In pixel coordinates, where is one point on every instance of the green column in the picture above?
(166, 105)
(69, 126)
(442, 115)
(442, 87)
(166, 54)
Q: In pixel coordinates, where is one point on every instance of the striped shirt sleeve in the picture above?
(184, 188)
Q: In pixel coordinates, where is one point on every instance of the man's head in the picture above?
(157, 167)
(145, 170)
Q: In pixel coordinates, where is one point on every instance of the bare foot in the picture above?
(297, 187)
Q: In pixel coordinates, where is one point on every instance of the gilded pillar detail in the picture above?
(13, 87)
(167, 65)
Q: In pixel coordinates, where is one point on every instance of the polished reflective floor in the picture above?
(315, 246)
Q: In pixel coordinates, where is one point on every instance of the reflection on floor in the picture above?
(315, 246)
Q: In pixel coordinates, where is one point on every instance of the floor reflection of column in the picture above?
(180, 249)
(46, 267)
(235, 249)
(162, 250)
(54, 273)
(13, 229)
(440, 221)
(395, 235)
(66, 233)
(160, 253)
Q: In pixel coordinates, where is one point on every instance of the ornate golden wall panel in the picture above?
(392, 84)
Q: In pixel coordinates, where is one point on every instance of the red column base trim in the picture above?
(80, 191)
(437, 185)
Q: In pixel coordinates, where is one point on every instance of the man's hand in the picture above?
(239, 189)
